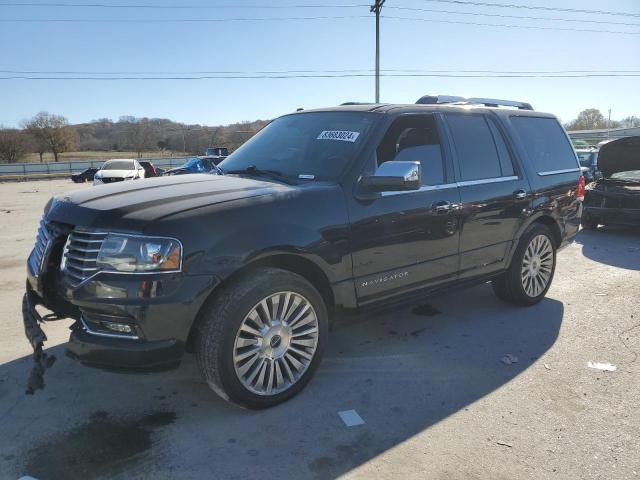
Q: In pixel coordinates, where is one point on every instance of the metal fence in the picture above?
(67, 168)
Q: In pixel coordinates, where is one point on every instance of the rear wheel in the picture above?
(262, 338)
(531, 270)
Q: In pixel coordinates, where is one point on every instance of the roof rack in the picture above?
(487, 102)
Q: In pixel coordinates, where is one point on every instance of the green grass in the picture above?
(70, 156)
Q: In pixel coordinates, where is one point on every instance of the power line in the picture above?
(348, 75)
(412, 9)
(279, 72)
(505, 25)
(536, 7)
(267, 19)
(173, 20)
(172, 7)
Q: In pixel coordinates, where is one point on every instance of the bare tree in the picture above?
(630, 122)
(52, 131)
(140, 135)
(13, 145)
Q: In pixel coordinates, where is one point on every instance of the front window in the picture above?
(315, 145)
(118, 165)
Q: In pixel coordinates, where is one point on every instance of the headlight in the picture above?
(125, 253)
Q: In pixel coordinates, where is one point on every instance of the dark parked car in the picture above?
(322, 212)
(614, 198)
(588, 158)
(149, 169)
(86, 176)
(196, 165)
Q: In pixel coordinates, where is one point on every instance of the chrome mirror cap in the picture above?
(394, 177)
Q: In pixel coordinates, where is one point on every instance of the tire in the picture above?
(511, 286)
(227, 329)
(587, 222)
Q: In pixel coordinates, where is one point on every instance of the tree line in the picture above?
(593, 119)
(50, 133)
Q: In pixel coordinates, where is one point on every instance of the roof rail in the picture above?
(356, 103)
(487, 102)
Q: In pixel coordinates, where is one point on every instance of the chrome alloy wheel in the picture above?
(537, 265)
(275, 343)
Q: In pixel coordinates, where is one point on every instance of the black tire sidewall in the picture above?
(515, 269)
(279, 280)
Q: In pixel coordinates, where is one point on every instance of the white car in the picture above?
(118, 171)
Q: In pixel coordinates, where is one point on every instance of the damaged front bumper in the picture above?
(156, 313)
(613, 204)
(614, 216)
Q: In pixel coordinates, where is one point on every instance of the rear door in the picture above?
(408, 240)
(493, 191)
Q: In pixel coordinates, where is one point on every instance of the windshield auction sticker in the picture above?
(340, 135)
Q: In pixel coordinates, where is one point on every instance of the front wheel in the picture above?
(531, 270)
(261, 339)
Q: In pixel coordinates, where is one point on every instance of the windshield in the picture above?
(118, 165)
(317, 145)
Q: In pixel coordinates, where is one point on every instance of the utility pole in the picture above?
(376, 7)
(609, 124)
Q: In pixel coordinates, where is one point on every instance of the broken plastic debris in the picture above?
(508, 359)
(546, 365)
(606, 366)
(601, 294)
(351, 418)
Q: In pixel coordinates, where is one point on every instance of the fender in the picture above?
(543, 215)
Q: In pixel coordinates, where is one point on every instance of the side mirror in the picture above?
(394, 177)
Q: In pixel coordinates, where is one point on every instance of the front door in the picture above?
(408, 240)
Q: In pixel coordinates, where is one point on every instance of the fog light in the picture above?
(117, 327)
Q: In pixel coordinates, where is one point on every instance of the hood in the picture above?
(132, 205)
(115, 173)
(619, 156)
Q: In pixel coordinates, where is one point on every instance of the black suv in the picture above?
(321, 212)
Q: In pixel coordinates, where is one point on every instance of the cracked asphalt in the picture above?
(428, 382)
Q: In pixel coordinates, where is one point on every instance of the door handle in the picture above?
(520, 194)
(441, 207)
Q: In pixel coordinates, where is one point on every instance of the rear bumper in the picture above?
(614, 216)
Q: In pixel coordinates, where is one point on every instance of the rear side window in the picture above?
(480, 148)
(545, 143)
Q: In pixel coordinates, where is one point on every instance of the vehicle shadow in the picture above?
(615, 246)
(401, 371)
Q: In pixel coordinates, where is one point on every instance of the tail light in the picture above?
(580, 189)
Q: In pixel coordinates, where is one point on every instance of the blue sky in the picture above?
(331, 44)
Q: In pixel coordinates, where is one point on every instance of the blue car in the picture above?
(196, 165)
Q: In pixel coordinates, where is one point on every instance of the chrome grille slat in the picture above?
(81, 254)
(39, 248)
(86, 250)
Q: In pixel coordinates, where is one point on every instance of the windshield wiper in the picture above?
(255, 171)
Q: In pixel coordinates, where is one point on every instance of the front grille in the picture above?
(40, 249)
(80, 255)
(111, 179)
